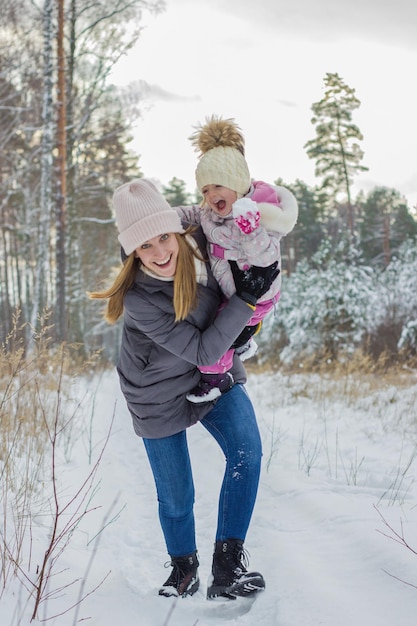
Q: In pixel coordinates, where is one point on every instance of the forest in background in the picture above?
(349, 266)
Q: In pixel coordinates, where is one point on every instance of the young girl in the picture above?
(243, 221)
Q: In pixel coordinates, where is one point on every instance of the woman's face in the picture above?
(160, 254)
(220, 199)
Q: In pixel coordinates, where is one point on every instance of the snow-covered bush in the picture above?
(325, 311)
(400, 284)
(408, 338)
(330, 308)
(395, 303)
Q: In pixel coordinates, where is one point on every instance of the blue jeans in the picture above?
(232, 423)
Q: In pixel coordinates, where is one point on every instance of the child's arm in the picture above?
(190, 214)
(281, 218)
(271, 206)
(258, 246)
(246, 215)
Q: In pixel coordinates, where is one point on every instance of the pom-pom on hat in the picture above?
(222, 161)
(142, 213)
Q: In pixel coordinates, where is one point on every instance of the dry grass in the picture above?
(38, 404)
(351, 378)
(29, 381)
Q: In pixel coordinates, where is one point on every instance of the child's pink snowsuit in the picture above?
(261, 193)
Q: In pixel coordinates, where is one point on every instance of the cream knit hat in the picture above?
(226, 167)
(142, 213)
(222, 148)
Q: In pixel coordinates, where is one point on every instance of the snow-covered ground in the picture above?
(336, 471)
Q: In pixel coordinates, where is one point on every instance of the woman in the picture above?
(170, 301)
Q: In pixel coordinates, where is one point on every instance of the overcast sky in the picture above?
(263, 62)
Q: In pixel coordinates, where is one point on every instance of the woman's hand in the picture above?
(252, 283)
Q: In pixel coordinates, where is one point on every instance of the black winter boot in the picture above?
(229, 576)
(183, 580)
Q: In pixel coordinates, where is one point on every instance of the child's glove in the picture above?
(253, 283)
(246, 215)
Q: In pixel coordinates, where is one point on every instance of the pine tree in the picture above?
(175, 193)
(335, 148)
(385, 223)
(309, 231)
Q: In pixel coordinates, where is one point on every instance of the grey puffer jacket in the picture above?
(159, 357)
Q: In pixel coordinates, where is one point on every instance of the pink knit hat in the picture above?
(142, 213)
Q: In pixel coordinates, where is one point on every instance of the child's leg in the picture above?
(215, 380)
(223, 365)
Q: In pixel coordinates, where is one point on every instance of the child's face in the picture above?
(219, 198)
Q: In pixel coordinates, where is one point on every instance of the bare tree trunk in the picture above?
(60, 318)
(386, 246)
(44, 211)
(346, 179)
(5, 305)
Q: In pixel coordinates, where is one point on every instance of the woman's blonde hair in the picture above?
(185, 282)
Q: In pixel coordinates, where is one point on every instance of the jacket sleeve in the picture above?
(282, 218)
(260, 247)
(184, 339)
(189, 214)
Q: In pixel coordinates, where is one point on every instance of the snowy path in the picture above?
(314, 533)
(313, 536)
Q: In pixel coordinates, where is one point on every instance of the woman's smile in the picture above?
(159, 254)
(164, 263)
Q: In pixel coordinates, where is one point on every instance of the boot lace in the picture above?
(241, 557)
